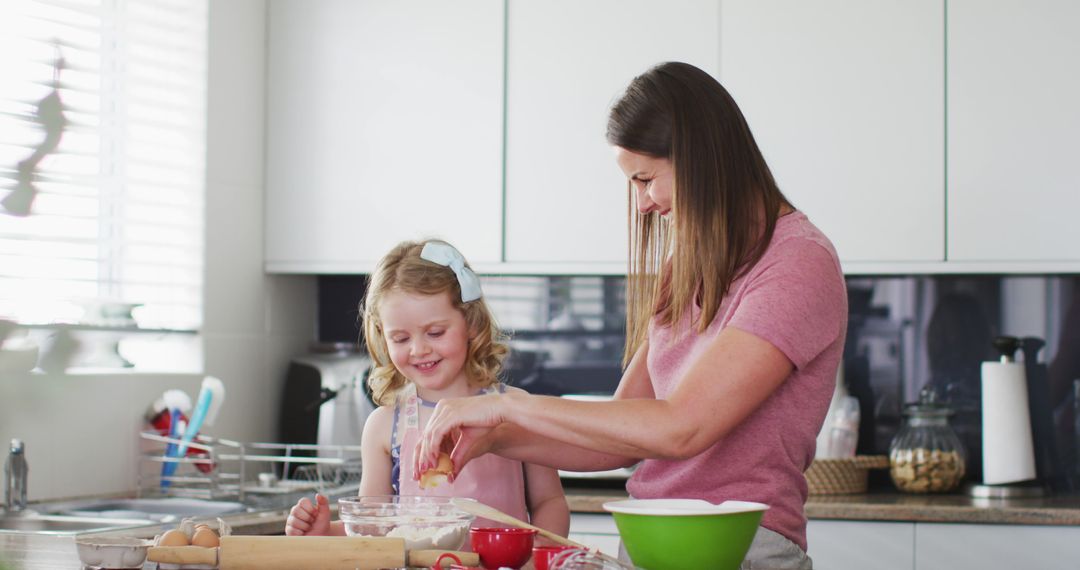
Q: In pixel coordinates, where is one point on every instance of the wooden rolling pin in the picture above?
(290, 552)
(328, 552)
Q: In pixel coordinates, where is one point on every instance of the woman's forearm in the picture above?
(602, 433)
(515, 442)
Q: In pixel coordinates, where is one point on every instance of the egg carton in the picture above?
(188, 543)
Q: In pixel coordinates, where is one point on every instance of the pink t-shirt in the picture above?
(794, 298)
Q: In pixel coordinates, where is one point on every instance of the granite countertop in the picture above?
(1053, 510)
(55, 552)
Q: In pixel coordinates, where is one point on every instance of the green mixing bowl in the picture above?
(686, 534)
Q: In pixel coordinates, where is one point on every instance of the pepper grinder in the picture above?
(1008, 449)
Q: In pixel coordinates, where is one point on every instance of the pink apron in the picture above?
(493, 480)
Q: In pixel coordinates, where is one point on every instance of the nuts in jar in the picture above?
(926, 455)
(922, 470)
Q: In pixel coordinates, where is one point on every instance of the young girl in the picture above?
(431, 336)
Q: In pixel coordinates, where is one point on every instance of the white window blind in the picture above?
(119, 213)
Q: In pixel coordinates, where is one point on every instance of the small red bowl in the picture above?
(502, 547)
(543, 555)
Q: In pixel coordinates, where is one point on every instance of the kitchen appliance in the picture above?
(1008, 448)
(1049, 464)
(557, 379)
(325, 400)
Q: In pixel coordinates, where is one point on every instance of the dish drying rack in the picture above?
(217, 468)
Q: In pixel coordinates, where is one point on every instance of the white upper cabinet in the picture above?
(846, 100)
(1014, 131)
(482, 122)
(566, 199)
(384, 124)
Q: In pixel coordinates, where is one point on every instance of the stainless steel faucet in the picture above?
(15, 475)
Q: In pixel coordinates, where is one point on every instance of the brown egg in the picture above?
(174, 537)
(206, 538)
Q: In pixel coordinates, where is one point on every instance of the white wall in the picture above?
(254, 322)
(81, 430)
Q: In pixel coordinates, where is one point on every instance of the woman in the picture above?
(736, 314)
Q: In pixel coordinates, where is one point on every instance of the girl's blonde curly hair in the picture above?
(403, 270)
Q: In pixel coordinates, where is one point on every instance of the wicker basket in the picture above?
(842, 476)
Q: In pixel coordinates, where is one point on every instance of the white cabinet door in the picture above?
(1014, 130)
(996, 547)
(857, 545)
(846, 101)
(384, 124)
(566, 200)
(595, 531)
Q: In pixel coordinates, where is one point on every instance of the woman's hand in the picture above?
(462, 425)
(472, 442)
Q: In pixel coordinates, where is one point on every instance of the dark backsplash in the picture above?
(904, 332)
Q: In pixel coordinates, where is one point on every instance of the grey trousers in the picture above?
(773, 551)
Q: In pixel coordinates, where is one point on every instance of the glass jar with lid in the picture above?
(926, 455)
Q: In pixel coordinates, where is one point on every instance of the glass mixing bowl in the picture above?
(424, 522)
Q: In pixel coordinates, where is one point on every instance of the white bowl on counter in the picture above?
(111, 553)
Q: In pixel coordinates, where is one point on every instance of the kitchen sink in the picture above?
(160, 510)
(53, 524)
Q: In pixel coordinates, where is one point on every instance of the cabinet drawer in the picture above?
(850, 545)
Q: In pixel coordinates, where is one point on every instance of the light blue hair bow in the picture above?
(444, 254)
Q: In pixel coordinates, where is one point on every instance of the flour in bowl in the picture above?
(428, 538)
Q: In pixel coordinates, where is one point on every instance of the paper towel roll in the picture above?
(1008, 453)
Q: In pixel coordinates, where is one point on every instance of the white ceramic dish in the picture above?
(112, 552)
(680, 507)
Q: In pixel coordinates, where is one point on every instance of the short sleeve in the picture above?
(796, 300)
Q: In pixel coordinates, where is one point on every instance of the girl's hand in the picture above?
(449, 426)
(306, 519)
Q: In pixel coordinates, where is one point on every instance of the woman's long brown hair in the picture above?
(725, 201)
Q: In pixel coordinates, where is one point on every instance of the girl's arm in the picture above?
(544, 496)
(375, 453)
(375, 459)
(732, 377)
(516, 442)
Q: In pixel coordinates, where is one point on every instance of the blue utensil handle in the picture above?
(169, 467)
(197, 418)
